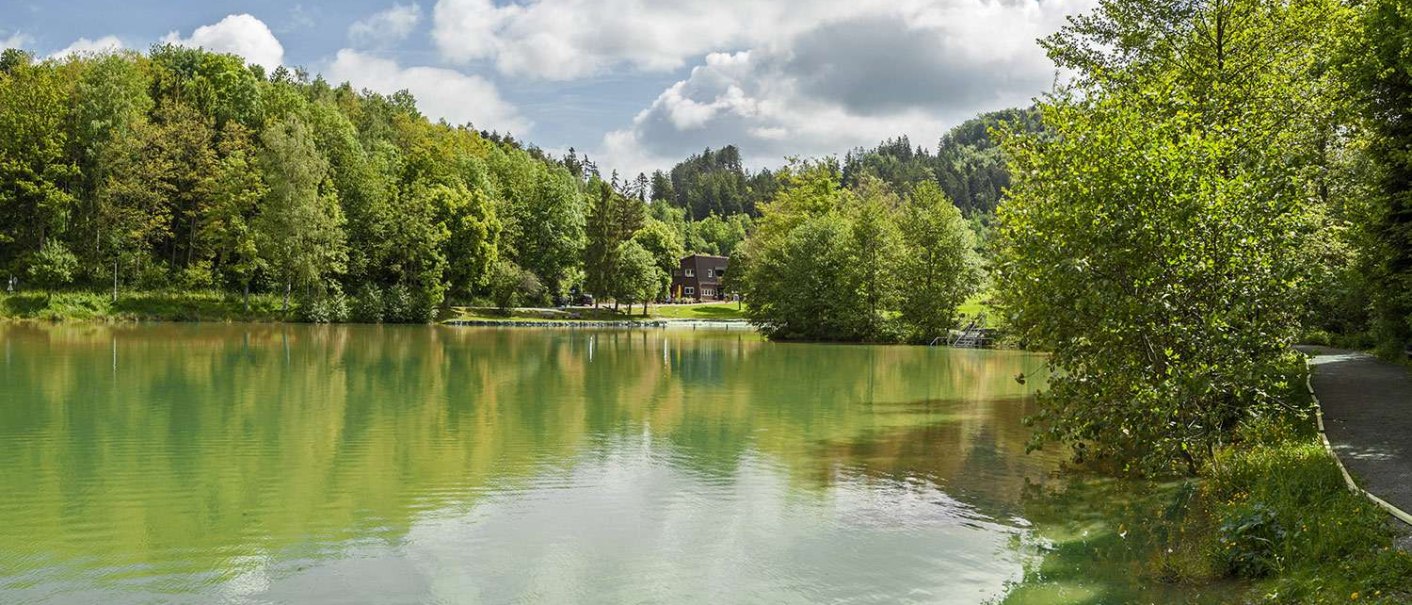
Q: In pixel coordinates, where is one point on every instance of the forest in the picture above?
(183, 170)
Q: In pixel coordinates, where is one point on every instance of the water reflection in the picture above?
(412, 464)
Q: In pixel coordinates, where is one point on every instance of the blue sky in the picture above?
(638, 84)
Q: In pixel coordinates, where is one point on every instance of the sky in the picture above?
(635, 84)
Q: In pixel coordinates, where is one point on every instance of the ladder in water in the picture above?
(973, 336)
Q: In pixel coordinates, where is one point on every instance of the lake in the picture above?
(210, 463)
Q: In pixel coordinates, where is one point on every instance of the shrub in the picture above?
(402, 304)
(511, 285)
(367, 306)
(396, 304)
(328, 307)
(198, 276)
(53, 266)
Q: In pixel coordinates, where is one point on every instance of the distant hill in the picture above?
(967, 163)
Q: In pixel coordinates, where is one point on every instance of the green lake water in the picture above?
(175, 463)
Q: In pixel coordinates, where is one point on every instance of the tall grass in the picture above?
(140, 306)
(1281, 514)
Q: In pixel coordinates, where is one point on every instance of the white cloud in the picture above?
(16, 40)
(441, 93)
(84, 46)
(914, 67)
(565, 39)
(387, 27)
(242, 35)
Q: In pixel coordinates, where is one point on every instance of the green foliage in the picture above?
(967, 164)
(550, 236)
(717, 235)
(299, 228)
(401, 304)
(827, 263)
(1380, 70)
(185, 168)
(796, 284)
(156, 306)
(714, 235)
(1268, 521)
(613, 219)
(1279, 508)
(36, 174)
(638, 277)
(53, 266)
(714, 182)
(938, 269)
(235, 189)
(664, 244)
(1152, 240)
(510, 285)
(1248, 536)
(874, 250)
(327, 306)
(367, 306)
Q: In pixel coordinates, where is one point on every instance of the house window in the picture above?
(720, 272)
(690, 291)
(708, 292)
(691, 272)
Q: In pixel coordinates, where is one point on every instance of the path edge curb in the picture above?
(1396, 512)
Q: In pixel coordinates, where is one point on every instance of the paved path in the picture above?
(1367, 407)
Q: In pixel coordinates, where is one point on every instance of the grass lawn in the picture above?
(979, 303)
(707, 311)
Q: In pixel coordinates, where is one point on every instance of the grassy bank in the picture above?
(1268, 521)
(223, 307)
(1279, 514)
(139, 306)
(700, 312)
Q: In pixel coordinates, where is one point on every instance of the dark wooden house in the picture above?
(698, 277)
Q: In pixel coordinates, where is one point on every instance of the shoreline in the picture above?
(221, 307)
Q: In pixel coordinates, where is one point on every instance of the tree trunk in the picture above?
(115, 280)
(287, 287)
(246, 297)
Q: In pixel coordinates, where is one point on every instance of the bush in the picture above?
(197, 277)
(367, 306)
(328, 307)
(423, 306)
(511, 285)
(396, 304)
(53, 266)
(401, 304)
